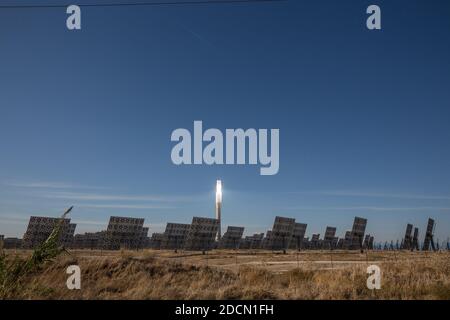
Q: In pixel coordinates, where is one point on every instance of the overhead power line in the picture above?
(136, 4)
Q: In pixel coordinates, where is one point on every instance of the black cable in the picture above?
(135, 4)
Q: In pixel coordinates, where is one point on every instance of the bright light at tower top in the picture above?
(219, 190)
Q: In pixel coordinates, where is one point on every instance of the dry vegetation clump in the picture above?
(14, 272)
(145, 276)
(127, 278)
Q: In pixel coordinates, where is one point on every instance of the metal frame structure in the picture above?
(429, 241)
(329, 238)
(298, 236)
(175, 236)
(40, 228)
(282, 231)
(232, 238)
(123, 232)
(202, 234)
(357, 233)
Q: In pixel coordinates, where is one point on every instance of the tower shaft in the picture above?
(219, 208)
(219, 217)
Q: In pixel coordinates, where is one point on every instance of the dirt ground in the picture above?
(276, 262)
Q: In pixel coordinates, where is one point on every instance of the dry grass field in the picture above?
(153, 274)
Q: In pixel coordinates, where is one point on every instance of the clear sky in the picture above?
(86, 116)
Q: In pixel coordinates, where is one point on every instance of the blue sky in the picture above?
(86, 116)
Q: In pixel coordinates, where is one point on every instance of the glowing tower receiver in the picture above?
(219, 207)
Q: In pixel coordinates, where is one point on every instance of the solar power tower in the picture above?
(358, 230)
(429, 241)
(202, 234)
(328, 239)
(407, 241)
(282, 231)
(231, 239)
(175, 236)
(124, 232)
(298, 235)
(219, 208)
(415, 240)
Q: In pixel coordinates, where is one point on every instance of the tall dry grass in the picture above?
(128, 276)
(14, 272)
